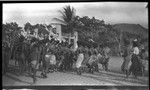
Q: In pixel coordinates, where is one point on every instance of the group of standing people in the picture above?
(91, 57)
(133, 59)
(51, 55)
(62, 58)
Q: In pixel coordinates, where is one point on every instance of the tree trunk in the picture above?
(119, 46)
(119, 49)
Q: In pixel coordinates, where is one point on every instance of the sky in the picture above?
(110, 12)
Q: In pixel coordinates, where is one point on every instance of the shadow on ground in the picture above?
(116, 79)
(18, 80)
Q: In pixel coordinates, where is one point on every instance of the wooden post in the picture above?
(75, 40)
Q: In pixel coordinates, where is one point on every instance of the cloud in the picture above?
(118, 12)
(110, 12)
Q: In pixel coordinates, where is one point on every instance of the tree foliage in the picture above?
(41, 28)
(11, 31)
(68, 15)
(87, 28)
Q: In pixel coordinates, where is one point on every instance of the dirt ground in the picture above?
(116, 62)
(113, 77)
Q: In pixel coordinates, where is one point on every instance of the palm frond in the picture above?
(68, 14)
(59, 20)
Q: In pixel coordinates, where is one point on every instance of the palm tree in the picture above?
(68, 17)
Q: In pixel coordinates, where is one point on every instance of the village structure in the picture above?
(59, 35)
(49, 44)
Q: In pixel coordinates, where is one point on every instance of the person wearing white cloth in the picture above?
(51, 60)
(136, 50)
(136, 65)
(79, 61)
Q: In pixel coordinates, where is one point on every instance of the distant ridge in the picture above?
(132, 28)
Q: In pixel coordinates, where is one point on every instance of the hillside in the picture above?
(132, 28)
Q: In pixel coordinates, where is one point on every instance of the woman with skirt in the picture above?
(135, 68)
(127, 59)
(79, 61)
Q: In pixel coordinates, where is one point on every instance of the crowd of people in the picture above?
(51, 55)
(134, 59)
(63, 58)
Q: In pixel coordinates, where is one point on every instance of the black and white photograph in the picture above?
(75, 44)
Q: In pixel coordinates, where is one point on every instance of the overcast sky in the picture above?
(110, 12)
